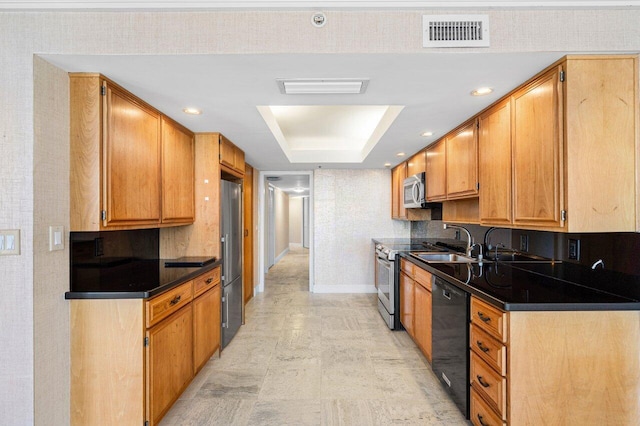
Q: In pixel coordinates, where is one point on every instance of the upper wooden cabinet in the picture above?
(462, 162)
(436, 176)
(536, 155)
(231, 157)
(494, 164)
(559, 152)
(117, 160)
(416, 164)
(398, 174)
(178, 168)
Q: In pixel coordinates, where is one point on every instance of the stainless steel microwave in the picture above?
(414, 192)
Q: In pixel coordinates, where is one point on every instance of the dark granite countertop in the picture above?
(540, 286)
(131, 278)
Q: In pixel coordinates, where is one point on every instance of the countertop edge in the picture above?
(514, 307)
(84, 295)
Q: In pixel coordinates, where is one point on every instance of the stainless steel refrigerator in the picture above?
(231, 238)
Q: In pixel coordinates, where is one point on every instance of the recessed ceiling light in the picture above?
(400, 154)
(298, 190)
(192, 111)
(387, 164)
(426, 134)
(322, 86)
(482, 91)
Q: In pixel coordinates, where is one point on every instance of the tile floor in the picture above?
(314, 359)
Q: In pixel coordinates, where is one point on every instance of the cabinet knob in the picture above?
(209, 280)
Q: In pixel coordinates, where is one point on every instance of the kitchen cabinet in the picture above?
(169, 365)
(422, 310)
(178, 170)
(436, 175)
(407, 289)
(415, 305)
(571, 171)
(462, 162)
(206, 317)
(117, 159)
(542, 367)
(494, 168)
(231, 158)
(536, 147)
(132, 358)
(416, 164)
(398, 174)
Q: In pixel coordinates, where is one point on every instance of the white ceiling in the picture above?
(433, 88)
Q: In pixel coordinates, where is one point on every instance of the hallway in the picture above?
(314, 359)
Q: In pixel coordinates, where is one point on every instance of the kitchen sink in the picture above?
(443, 257)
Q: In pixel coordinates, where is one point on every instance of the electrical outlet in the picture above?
(524, 242)
(573, 249)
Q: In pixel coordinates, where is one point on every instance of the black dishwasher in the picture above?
(450, 344)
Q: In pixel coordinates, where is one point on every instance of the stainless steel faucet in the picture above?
(469, 237)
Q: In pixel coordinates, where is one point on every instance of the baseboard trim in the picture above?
(345, 289)
(280, 256)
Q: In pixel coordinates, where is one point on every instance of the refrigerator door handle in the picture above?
(225, 256)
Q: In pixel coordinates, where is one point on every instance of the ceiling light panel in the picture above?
(322, 86)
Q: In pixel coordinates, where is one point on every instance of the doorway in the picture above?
(276, 189)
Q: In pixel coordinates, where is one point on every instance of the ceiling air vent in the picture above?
(455, 30)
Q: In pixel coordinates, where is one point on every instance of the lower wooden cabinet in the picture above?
(132, 358)
(415, 305)
(169, 365)
(206, 326)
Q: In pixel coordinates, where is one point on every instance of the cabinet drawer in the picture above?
(490, 319)
(407, 267)
(422, 277)
(165, 304)
(482, 414)
(489, 384)
(206, 281)
(489, 349)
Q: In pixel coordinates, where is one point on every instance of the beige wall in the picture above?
(31, 280)
(281, 207)
(295, 220)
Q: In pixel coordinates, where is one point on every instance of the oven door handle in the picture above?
(384, 262)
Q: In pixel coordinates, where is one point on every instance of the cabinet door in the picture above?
(436, 178)
(494, 156)
(397, 192)
(206, 326)
(416, 164)
(132, 161)
(462, 162)
(169, 361)
(227, 152)
(406, 302)
(422, 320)
(178, 165)
(536, 144)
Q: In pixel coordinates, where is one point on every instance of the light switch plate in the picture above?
(56, 238)
(10, 242)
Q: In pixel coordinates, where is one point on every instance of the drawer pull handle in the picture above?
(209, 280)
(175, 300)
(482, 382)
(482, 347)
(483, 317)
(482, 421)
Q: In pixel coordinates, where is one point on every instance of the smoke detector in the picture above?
(318, 19)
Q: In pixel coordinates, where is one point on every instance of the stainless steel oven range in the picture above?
(388, 275)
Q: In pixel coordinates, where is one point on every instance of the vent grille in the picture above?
(455, 30)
